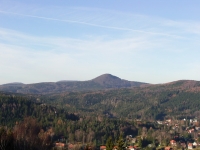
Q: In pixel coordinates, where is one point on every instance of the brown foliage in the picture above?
(28, 134)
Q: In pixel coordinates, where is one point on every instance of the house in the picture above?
(176, 125)
(197, 128)
(183, 145)
(131, 148)
(133, 140)
(173, 143)
(90, 148)
(70, 146)
(103, 147)
(129, 137)
(190, 146)
(159, 122)
(191, 130)
(169, 120)
(194, 144)
(150, 145)
(173, 127)
(60, 145)
(168, 148)
(195, 120)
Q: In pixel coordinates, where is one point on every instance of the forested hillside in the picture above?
(93, 116)
(18, 111)
(179, 99)
(16, 107)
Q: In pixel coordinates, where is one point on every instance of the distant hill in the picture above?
(110, 81)
(105, 81)
(13, 84)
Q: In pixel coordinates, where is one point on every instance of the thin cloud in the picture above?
(77, 45)
(91, 24)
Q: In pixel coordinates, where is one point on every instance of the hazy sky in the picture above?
(152, 41)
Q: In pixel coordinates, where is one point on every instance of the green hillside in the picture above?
(179, 99)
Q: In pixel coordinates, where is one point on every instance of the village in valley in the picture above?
(170, 134)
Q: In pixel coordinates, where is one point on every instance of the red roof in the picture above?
(172, 141)
(167, 148)
(70, 146)
(189, 144)
(103, 147)
(60, 144)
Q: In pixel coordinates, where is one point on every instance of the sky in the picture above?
(138, 40)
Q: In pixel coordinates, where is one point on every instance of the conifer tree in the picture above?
(120, 143)
(109, 144)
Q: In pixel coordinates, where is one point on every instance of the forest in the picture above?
(96, 117)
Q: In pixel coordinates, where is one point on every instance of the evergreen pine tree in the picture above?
(120, 143)
(109, 144)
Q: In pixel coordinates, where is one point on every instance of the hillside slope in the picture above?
(16, 107)
(180, 99)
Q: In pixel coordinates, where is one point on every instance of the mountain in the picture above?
(110, 81)
(106, 81)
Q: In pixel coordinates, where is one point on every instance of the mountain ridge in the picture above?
(102, 82)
